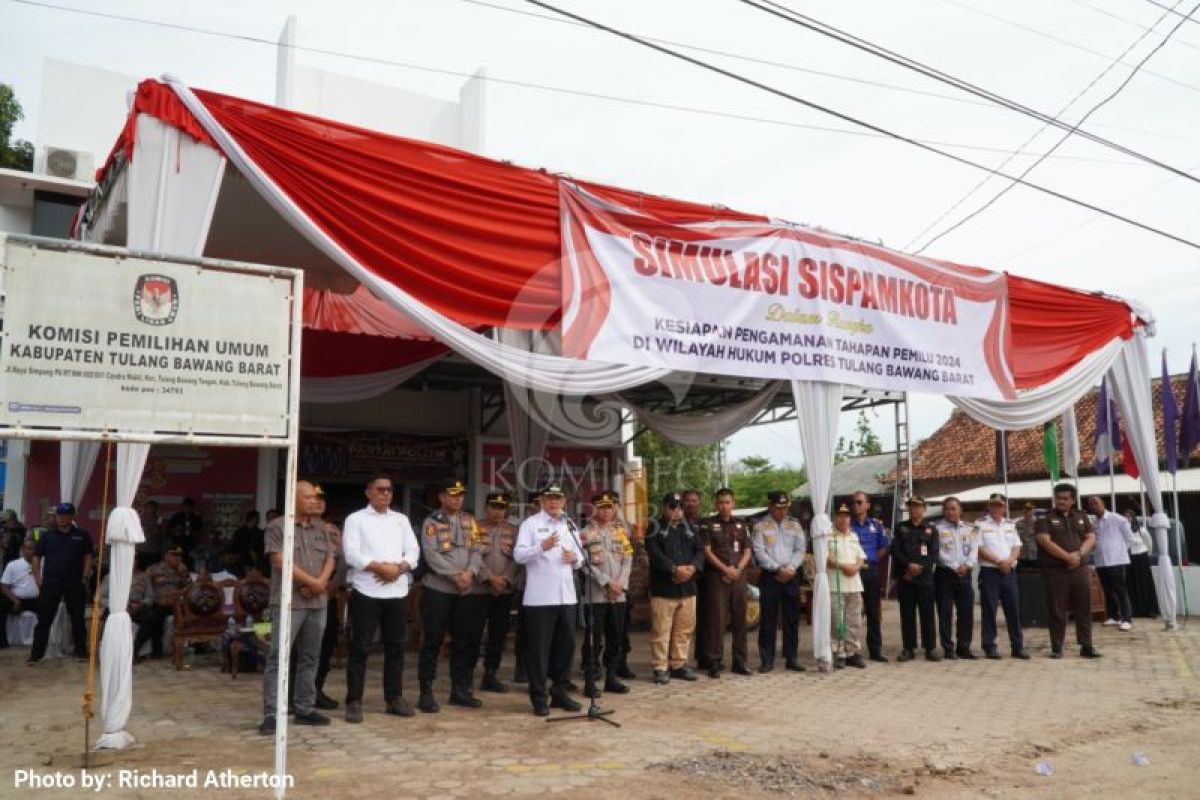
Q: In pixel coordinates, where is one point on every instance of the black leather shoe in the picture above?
(541, 709)
(933, 655)
(354, 712)
(565, 703)
(311, 718)
(325, 702)
(400, 708)
(856, 661)
(1056, 653)
(623, 671)
(949, 654)
(905, 655)
(590, 690)
(740, 669)
(993, 654)
(714, 671)
(662, 677)
(461, 696)
(612, 684)
(966, 655)
(879, 657)
(1022, 654)
(572, 686)
(491, 683)
(427, 704)
(267, 726)
(684, 674)
(1089, 652)
(763, 669)
(795, 666)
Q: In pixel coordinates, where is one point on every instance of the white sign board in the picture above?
(110, 342)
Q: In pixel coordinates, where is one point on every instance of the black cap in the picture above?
(997, 499)
(605, 499)
(498, 499)
(454, 488)
(915, 500)
(552, 489)
(65, 509)
(778, 499)
(673, 499)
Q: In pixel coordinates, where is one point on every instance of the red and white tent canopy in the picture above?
(412, 249)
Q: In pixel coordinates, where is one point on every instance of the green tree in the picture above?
(672, 467)
(18, 154)
(753, 476)
(865, 442)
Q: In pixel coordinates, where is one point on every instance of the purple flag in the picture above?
(1189, 421)
(1170, 417)
(1108, 430)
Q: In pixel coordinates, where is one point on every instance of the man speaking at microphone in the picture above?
(547, 545)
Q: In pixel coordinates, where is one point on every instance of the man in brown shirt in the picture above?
(312, 567)
(497, 584)
(727, 551)
(1064, 537)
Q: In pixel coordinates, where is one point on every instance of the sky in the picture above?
(1050, 55)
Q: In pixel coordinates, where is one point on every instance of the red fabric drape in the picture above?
(1054, 327)
(360, 312)
(479, 240)
(335, 355)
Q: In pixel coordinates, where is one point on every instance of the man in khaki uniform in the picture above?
(450, 548)
(496, 585)
(609, 561)
(163, 583)
(1065, 536)
(727, 550)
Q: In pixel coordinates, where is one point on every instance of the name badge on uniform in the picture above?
(924, 549)
(770, 539)
(737, 545)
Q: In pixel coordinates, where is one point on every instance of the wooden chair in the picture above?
(198, 617)
(251, 599)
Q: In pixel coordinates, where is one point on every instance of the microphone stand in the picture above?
(593, 712)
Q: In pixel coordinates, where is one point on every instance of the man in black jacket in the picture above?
(915, 554)
(676, 558)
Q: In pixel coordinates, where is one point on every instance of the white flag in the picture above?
(1070, 433)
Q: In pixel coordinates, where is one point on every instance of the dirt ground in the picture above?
(948, 730)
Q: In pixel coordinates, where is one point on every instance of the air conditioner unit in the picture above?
(62, 163)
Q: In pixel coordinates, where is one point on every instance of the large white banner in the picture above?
(766, 300)
(106, 343)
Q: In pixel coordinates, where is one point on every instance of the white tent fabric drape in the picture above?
(1070, 433)
(536, 371)
(1036, 406)
(354, 388)
(818, 407)
(76, 462)
(116, 648)
(1130, 381)
(700, 429)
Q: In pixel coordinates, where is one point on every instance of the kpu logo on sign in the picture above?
(156, 299)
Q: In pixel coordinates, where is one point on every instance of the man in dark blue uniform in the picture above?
(875, 544)
(62, 562)
(915, 554)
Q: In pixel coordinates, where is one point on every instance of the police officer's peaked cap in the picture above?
(605, 499)
(553, 489)
(498, 499)
(843, 509)
(454, 488)
(779, 499)
(997, 499)
(915, 500)
(672, 499)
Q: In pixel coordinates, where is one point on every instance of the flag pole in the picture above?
(1004, 460)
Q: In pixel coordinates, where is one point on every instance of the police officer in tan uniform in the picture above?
(609, 562)
(497, 585)
(1065, 536)
(727, 551)
(450, 548)
(164, 581)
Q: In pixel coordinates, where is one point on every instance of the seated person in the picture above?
(231, 566)
(162, 585)
(18, 589)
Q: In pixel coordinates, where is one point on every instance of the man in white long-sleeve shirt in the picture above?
(547, 546)
(1114, 537)
(381, 551)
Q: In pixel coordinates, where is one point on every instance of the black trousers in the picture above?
(777, 599)
(53, 593)
(456, 614)
(955, 596)
(328, 643)
(1116, 594)
(388, 616)
(872, 595)
(550, 644)
(497, 617)
(916, 597)
(608, 634)
(995, 589)
(8, 607)
(1069, 589)
(151, 620)
(520, 643)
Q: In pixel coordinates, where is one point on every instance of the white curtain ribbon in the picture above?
(818, 407)
(354, 388)
(694, 430)
(76, 463)
(116, 647)
(1129, 378)
(536, 371)
(1070, 433)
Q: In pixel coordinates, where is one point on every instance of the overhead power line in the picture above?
(782, 12)
(1134, 23)
(542, 87)
(1109, 97)
(854, 120)
(1193, 20)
